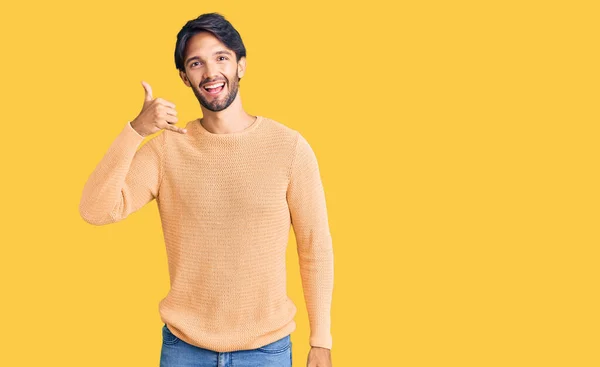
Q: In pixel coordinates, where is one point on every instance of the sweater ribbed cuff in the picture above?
(323, 340)
(130, 129)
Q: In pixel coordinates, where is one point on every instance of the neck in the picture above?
(230, 120)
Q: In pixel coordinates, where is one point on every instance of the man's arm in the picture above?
(124, 180)
(306, 201)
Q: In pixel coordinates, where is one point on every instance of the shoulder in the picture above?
(280, 130)
(293, 138)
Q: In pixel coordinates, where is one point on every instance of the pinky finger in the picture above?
(175, 129)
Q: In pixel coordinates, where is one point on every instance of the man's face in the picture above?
(207, 62)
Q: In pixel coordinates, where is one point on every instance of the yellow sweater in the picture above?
(226, 203)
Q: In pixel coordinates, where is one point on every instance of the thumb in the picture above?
(147, 91)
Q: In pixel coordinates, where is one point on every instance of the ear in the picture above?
(184, 78)
(241, 67)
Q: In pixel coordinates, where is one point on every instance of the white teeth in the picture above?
(215, 86)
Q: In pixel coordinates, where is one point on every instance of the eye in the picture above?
(223, 57)
(192, 64)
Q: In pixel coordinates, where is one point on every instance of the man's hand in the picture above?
(319, 357)
(157, 114)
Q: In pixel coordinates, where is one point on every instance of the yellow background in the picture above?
(458, 147)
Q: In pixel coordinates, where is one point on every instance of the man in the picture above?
(228, 186)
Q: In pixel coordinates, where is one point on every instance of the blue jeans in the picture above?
(177, 353)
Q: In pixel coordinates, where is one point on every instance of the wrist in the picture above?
(135, 127)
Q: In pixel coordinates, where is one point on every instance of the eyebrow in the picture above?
(220, 52)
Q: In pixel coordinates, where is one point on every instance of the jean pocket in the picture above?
(168, 336)
(278, 346)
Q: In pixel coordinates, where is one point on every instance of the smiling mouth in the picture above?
(215, 91)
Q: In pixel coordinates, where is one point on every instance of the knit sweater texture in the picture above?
(226, 204)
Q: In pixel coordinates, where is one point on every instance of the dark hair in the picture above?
(214, 23)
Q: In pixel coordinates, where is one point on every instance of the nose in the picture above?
(210, 72)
